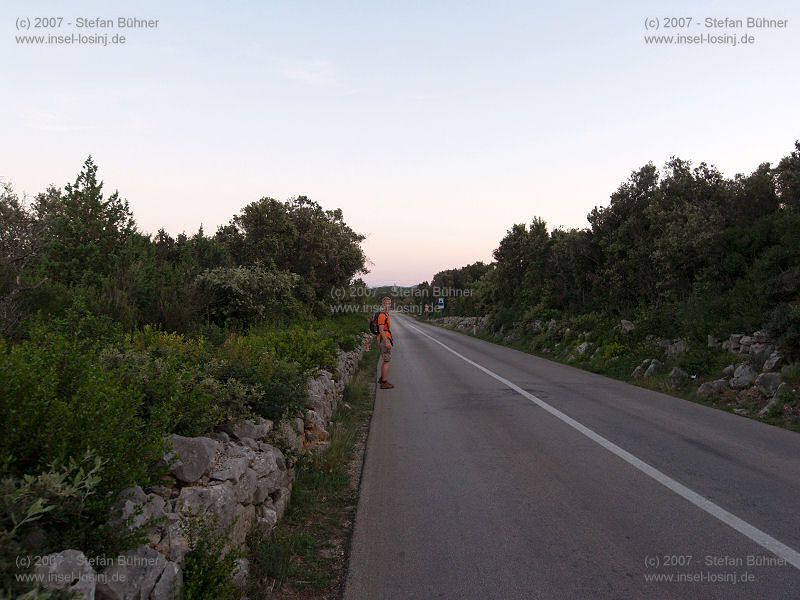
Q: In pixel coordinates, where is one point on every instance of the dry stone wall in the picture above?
(234, 478)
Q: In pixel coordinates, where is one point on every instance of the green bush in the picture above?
(612, 350)
(244, 295)
(210, 566)
(700, 359)
(251, 361)
(301, 344)
(56, 403)
(587, 322)
(53, 510)
(181, 397)
(784, 323)
(791, 373)
(657, 321)
(25, 503)
(344, 330)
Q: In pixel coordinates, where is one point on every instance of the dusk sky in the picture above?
(435, 126)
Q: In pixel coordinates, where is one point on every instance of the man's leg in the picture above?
(384, 370)
(387, 356)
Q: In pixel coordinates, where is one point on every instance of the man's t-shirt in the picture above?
(383, 319)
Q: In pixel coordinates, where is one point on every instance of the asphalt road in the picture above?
(474, 489)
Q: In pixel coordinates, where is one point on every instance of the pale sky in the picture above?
(434, 125)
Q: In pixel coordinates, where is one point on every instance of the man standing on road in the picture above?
(385, 341)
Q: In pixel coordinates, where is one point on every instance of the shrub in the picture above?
(613, 349)
(657, 321)
(344, 330)
(52, 511)
(791, 373)
(702, 359)
(305, 346)
(250, 360)
(587, 322)
(784, 323)
(179, 395)
(210, 566)
(56, 403)
(241, 296)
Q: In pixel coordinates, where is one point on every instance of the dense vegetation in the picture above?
(683, 252)
(110, 339)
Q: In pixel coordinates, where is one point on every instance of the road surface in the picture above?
(491, 473)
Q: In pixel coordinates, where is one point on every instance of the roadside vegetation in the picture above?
(304, 556)
(111, 339)
(681, 253)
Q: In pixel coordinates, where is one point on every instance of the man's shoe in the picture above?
(385, 385)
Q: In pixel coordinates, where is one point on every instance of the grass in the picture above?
(303, 557)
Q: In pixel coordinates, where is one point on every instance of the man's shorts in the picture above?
(386, 354)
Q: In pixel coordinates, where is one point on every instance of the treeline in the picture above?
(77, 248)
(684, 251)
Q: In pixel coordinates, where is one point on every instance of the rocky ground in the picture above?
(758, 380)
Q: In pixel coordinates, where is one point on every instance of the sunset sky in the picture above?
(435, 126)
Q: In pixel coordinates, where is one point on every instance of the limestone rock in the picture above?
(243, 521)
(291, 437)
(639, 371)
(266, 515)
(265, 461)
(67, 571)
(768, 383)
(773, 363)
(281, 500)
(174, 544)
(677, 378)
(761, 336)
(777, 399)
(195, 455)
(232, 468)
(246, 487)
(743, 377)
(655, 367)
(315, 427)
(676, 348)
(241, 573)
(627, 326)
(712, 388)
(219, 500)
(760, 352)
(137, 509)
(256, 429)
(133, 575)
(168, 586)
(732, 343)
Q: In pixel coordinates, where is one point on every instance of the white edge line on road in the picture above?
(764, 540)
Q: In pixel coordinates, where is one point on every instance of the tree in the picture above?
(788, 174)
(84, 231)
(297, 236)
(20, 244)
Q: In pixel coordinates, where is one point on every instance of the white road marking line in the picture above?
(761, 538)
